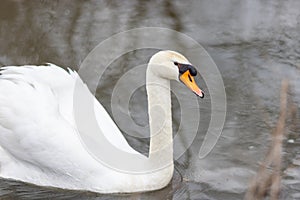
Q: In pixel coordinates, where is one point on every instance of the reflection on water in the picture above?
(255, 44)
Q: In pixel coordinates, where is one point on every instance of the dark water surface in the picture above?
(255, 44)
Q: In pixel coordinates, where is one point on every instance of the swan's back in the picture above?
(43, 88)
(39, 140)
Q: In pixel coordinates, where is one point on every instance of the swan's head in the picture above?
(174, 66)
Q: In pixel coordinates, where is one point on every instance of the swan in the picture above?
(39, 140)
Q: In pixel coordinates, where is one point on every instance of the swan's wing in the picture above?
(31, 127)
(36, 116)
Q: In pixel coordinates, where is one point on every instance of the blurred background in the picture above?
(255, 44)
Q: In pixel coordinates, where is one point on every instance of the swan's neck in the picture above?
(160, 118)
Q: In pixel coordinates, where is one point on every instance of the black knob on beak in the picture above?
(192, 70)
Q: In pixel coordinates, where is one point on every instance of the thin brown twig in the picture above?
(268, 178)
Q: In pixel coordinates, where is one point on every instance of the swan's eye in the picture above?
(176, 63)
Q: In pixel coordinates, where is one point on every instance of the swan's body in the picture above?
(39, 140)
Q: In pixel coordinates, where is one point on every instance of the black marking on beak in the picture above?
(184, 67)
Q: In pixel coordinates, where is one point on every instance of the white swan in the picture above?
(39, 143)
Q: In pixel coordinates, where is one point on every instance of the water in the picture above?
(255, 44)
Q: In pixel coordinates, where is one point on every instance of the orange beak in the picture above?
(189, 81)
